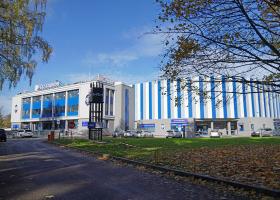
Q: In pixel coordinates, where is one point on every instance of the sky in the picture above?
(90, 37)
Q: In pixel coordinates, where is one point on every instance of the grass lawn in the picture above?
(249, 160)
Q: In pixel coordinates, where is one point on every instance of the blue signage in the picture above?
(84, 123)
(147, 125)
(91, 124)
(179, 121)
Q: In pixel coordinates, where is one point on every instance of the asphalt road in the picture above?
(32, 169)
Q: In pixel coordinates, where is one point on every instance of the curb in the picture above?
(263, 190)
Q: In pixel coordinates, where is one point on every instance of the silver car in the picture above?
(266, 132)
(215, 133)
(173, 134)
(130, 133)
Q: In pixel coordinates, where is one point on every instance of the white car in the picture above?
(215, 133)
(24, 133)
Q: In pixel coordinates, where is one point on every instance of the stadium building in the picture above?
(196, 105)
(201, 105)
(64, 107)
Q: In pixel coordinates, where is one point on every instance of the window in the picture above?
(73, 103)
(60, 104)
(26, 108)
(252, 127)
(107, 102)
(241, 127)
(36, 107)
(112, 102)
(47, 105)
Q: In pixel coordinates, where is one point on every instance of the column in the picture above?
(41, 111)
(31, 107)
(212, 125)
(66, 105)
(229, 128)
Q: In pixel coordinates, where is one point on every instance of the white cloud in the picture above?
(144, 45)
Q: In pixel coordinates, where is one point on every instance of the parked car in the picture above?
(264, 132)
(267, 132)
(3, 136)
(118, 133)
(130, 133)
(143, 133)
(276, 133)
(256, 133)
(215, 133)
(173, 134)
(24, 133)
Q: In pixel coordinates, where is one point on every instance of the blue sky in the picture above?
(96, 36)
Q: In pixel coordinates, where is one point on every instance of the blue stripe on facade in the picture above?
(235, 98)
(224, 92)
(269, 103)
(168, 100)
(159, 100)
(179, 98)
(244, 98)
(213, 98)
(259, 100)
(190, 99)
(150, 101)
(252, 98)
(141, 102)
(201, 98)
(264, 102)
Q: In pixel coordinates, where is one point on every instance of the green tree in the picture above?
(231, 38)
(21, 23)
(7, 121)
(1, 118)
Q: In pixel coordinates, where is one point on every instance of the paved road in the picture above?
(32, 169)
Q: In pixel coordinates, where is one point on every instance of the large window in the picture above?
(36, 107)
(112, 102)
(47, 105)
(73, 103)
(60, 104)
(107, 102)
(26, 108)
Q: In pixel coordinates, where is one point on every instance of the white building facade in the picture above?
(196, 105)
(64, 107)
(203, 104)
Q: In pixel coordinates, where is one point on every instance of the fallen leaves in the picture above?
(251, 164)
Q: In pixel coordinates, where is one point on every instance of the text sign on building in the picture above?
(91, 124)
(179, 121)
(47, 86)
(97, 95)
(84, 123)
(147, 125)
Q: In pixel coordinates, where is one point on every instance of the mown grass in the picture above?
(144, 148)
